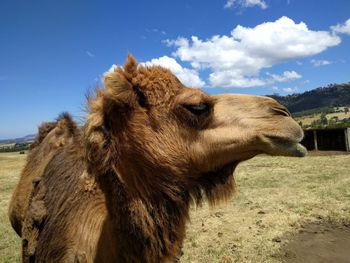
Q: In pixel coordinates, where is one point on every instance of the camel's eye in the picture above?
(198, 109)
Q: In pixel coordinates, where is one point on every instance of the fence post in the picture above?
(347, 139)
(315, 140)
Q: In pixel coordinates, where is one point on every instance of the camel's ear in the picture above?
(109, 111)
(119, 97)
(118, 84)
(130, 65)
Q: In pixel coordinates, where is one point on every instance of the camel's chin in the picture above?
(287, 147)
(228, 169)
(221, 174)
(298, 150)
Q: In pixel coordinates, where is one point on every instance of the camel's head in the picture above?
(55, 134)
(152, 130)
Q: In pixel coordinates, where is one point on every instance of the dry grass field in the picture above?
(7, 144)
(277, 199)
(308, 119)
(10, 167)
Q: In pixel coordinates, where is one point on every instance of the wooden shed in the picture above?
(337, 139)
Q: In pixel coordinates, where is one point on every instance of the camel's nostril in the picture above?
(281, 111)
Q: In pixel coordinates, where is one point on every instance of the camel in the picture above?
(119, 189)
(51, 136)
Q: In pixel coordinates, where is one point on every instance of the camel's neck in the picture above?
(152, 228)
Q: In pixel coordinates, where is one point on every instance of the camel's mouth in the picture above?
(286, 146)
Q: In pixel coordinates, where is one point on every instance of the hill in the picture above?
(25, 139)
(317, 100)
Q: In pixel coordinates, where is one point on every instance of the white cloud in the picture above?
(287, 90)
(236, 60)
(318, 63)
(90, 54)
(112, 68)
(342, 28)
(189, 77)
(290, 90)
(286, 76)
(156, 30)
(226, 79)
(246, 3)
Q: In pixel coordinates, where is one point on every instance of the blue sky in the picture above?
(53, 52)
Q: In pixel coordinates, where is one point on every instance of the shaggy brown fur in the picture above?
(51, 136)
(120, 191)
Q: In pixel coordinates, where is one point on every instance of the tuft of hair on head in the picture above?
(130, 66)
(65, 121)
(64, 115)
(43, 131)
(118, 94)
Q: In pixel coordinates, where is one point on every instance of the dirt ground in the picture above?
(327, 153)
(318, 242)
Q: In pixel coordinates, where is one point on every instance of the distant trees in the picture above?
(334, 95)
(328, 117)
(15, 148)
(323, 119)
(324, 122)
